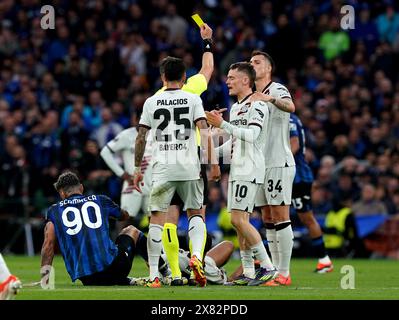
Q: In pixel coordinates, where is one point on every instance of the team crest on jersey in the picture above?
(260, 113)
(244, 109)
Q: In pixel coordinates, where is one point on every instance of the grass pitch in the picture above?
(374, 279)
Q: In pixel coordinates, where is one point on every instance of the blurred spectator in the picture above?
(108, 130)
(388, 24)
(368, 204)
(335, 41)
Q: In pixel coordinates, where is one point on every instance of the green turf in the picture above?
(374, 279)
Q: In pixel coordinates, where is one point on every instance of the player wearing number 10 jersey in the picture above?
(80, 224)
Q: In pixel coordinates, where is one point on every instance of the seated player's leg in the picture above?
(241, 204)
(118, 271)
(191, 192)
(161, 195)
(278, 185)
(301, 200)
(9, 284)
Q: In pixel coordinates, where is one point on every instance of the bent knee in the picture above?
(131, 231)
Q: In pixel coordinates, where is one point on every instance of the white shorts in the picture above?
(277, 190)
(242, 195)
(190, 192)
(213, 273)
(135, 203)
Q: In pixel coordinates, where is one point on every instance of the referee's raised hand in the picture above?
(206, 31)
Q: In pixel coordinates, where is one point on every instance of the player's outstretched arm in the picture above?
(207, 58)
(138, 156)
(47, 252)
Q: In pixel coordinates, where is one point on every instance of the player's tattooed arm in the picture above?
(140, 146)
(47, 253)
(284, 104)
(138, 157)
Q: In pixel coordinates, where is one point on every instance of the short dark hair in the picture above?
(172, 68)
(266, 55)
(246, 68)
(67, 181)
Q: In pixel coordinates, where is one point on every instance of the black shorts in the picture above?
(301, 197)
(116, 273)
(177, 201)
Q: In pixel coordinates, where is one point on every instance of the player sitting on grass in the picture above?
(80, 224)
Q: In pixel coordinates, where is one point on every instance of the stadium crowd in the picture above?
(65, 93)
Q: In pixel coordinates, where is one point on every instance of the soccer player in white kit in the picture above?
(173, 115)
(9, 284)
(248, 128)
(132, 201)
(275, 199)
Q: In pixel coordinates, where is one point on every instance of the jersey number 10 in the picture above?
(76, 224)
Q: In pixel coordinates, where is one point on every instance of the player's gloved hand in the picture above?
(215, 173)
(206, 31)
(214, 118)
(259, 96)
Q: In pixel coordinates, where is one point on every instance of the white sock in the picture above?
(272, 243)
(285, 242)
(260, 254)
(325, 260)
(197, 234)
(154, 248)
(247, 262)
(4, 272)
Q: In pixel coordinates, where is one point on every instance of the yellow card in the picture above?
(197, 19)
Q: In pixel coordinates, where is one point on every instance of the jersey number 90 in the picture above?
(76, 224)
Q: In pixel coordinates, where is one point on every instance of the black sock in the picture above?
(141, 246)
(318, 247)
